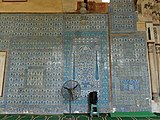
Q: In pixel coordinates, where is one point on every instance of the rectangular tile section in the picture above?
(86, 56)
(130, 79)
(123, 23)
(122, 6)
(122, 16)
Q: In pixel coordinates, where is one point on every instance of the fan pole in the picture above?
(70, 91)
(70, 106)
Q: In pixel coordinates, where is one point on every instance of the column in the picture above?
(158, 62)
(153, 71)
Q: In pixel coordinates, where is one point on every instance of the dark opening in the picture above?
(149, 33)
(86, 1)
(92, 99)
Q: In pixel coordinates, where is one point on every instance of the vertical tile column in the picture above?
(153, 71)
(158, 62)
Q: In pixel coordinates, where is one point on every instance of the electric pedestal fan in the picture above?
(71, 90)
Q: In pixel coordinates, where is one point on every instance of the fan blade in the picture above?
(75, 87)
(71, 90)
(66, 88)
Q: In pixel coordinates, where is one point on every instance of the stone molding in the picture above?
(150, 48)
(158, 49)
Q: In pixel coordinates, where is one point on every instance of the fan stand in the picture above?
(70, 112)
(68, 90)
(70, 105)
(70, 117)
(70, 99)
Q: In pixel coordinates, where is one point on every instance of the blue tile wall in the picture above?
(122, 6)
(130, 75)
(86, 56)
(123, 23)
(44, 51)
(130, 78)
(123, 17)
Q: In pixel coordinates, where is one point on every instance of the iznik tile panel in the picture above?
(123, 17)
(34, 75)
(130, 78)
(44, 51)
(123, 23)
(122, 6)
(87, 58)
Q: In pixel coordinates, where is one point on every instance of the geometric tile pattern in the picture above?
(45, 50)
(122, 6)
(34, 75)
(123, 17)
(130, 75)
(26, 25)
(123, 23)
(130, 78)
(85, 44)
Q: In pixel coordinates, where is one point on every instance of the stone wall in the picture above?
(149, 21)
(148, 10)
